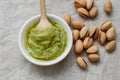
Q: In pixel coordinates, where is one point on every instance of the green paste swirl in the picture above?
(46, 44)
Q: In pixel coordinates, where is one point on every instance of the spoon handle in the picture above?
(43, 9)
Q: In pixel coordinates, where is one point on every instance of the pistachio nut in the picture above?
(92, 50)
(106, 25)
(108, 7)
(78, 47)
(87, 42)
(93, 12)
(76, 24)
(93, 32)
(89, 4)
(67, 18)
(111, 46)
(102, 38)
(93, 57)
(83, 32)
(80, 3)
(75, 34)
(111, 34)
(81, 62)
(83, 12)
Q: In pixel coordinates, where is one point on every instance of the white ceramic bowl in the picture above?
(51, 62)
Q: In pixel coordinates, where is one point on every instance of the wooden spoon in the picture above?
(44, 23)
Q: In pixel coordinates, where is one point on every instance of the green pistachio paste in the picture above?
(46, 44)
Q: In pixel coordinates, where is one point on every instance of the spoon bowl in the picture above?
(44, 22)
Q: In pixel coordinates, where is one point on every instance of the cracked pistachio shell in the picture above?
(92, 49)
(106, 25)
(93, 12)
(93, 32)
(111, 34)
(102, 38)
(89, 4)
(80, 3)
(67, 18)
(108, 7)
(111, 46)
(83, 12)
(81, 62)
(87, 42)
(83, 32)
(93, 57)
(78, 47)
(75, 34)
(77, 24)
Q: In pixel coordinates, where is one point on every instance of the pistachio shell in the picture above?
(111, 34)
(78, 47)
(83, 12)
(108, 7)
(93, 57)
(111, 46)
(87, 42)
(75, 34)
(76, 24)
(102, 38)
(84, 32)
(89, 4)
(92, 49)
(81, 62)
(80, 3)
(67, 18)
(93, 12)
(106, 25)
(93, 32)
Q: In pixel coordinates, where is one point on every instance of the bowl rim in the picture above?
(46, 63)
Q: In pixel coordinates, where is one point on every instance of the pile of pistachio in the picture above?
(86, 8)
(84, 37)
